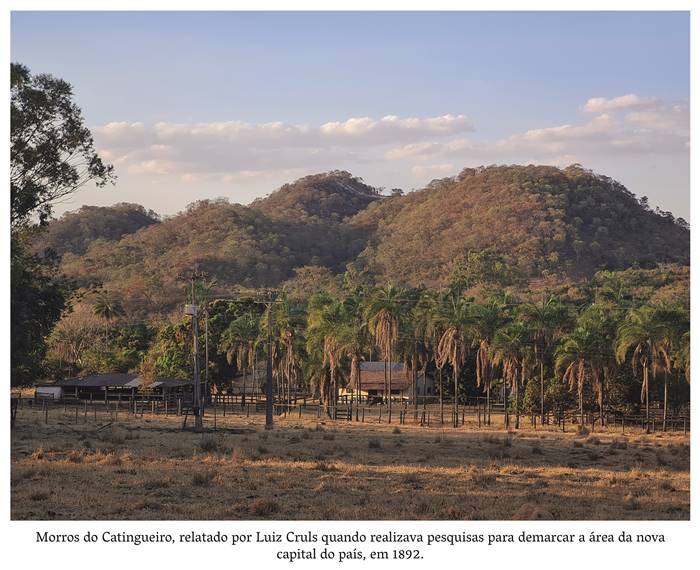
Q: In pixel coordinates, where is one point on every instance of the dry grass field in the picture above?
(148, 468)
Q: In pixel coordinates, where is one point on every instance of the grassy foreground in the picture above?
(148, 468)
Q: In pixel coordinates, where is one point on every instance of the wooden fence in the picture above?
(428, 415)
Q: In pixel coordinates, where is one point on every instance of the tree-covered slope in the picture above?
(543, 223)
(542, 219)
(75, 231)
(298, 225)
(326, 197)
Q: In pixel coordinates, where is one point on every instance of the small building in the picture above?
(114, 386)
(374, 383)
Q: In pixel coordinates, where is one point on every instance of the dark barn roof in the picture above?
(116, 380)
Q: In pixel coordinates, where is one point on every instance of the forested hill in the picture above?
(75, 231)
(540, 221)
(332, 196)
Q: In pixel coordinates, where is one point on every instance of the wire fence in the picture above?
(474, 415)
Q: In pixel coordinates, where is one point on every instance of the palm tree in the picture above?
(430, 327)
(385, 311)
(510, 350)
(573, 357)
(353, 341)
(455, 319)
(682, 355)
(108, 307)
(649, 338)
(586, 352)
(674, 319)
(488, 319)
(289, 318)
(546, 322)
(239, 344)
(327, 334)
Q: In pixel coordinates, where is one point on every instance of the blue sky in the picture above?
(194, 105)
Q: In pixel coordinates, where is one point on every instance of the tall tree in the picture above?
(586, 353)
(648, 338)
(108, 307)
(488, 318)
(511, 350)
(239, 342)
(289, 319)
(546, 321)
(674, 320)
(51, 155)
(455, 318)
(385, 309)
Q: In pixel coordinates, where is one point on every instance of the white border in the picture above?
(18, 538)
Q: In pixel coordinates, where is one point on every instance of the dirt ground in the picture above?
(149, 468)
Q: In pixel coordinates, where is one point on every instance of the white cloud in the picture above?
(234, 151)
(630, 101)
(392, 127)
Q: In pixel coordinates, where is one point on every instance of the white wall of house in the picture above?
(49, 392)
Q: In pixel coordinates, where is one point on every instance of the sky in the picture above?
(196, 105)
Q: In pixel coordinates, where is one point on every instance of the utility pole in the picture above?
(207, 390)
(196, 394)
(268, 385)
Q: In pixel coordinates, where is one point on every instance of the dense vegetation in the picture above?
(613, 352)
(538, 228)
(331, 196)
(542, 219)
(51, 155)
(75, 231)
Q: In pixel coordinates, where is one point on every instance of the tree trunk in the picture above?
(456, 402)
(506, 417)
(517, 397)
(244, 386)
(386, 380)
(665, 398)
(442, 415)
(359, 383)
(646, 391)
(580, 402)
(334, 398)
(488, 404)
(389, 387)
(541, 390)
(415, 386)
